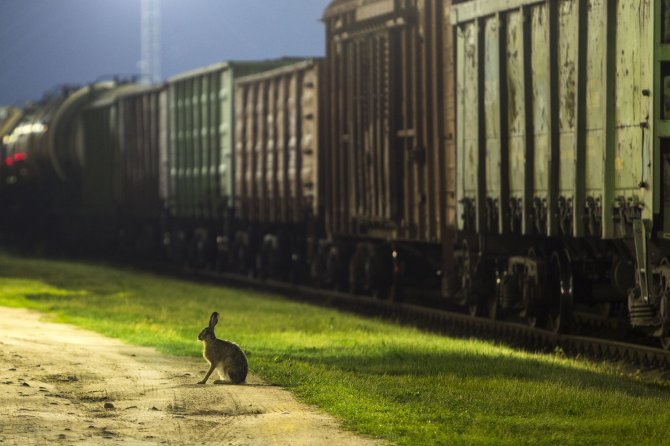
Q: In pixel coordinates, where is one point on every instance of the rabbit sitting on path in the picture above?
(225, 356)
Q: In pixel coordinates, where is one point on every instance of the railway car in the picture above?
(386, 131)
(201, 160)
(563, 155)
(48, 163)
(278, 154)
(390, 171)
(124, 190)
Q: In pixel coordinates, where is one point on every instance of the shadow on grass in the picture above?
(406, 363)
(60, 295)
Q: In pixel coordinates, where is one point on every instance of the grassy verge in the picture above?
(380, 379)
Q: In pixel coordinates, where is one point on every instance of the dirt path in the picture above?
(63, 385)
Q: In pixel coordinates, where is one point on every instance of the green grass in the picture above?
(380, 379)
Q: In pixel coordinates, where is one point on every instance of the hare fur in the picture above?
(225, 356)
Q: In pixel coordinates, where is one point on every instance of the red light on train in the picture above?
(20, 156)
(9, 161)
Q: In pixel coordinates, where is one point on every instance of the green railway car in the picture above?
(563, 155)
(125, 149)
(202, 138)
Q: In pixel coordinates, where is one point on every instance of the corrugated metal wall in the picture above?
(124, 151)
(143, 128)
(555, 115)
(198, 128)
(202, 129)
(388, 124)
(278, 144)
(101, 179)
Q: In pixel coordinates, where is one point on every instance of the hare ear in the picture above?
(214, 319)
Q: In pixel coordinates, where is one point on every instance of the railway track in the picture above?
(453, 322)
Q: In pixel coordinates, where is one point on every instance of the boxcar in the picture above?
(389, 137)
(278, 189)
(562, 152)
(144, 123)
(125, 147)
(202, 166)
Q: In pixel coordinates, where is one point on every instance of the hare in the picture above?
(225, 356)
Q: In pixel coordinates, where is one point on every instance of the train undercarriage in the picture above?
(550, 282)
(546, 282)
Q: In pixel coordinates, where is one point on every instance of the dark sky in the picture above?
(45, 43)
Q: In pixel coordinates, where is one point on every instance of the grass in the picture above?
(380, 379)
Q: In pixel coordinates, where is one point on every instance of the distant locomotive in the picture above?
(508, 156)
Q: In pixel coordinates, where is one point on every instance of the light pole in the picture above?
(151, 41)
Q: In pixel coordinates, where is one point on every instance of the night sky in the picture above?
(46, 43)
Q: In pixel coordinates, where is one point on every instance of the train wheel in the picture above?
(317, 266)
(298, 270)
(241, 256)
(396, 282)
(202, 249)
(356, 272)
(560, 284)
(378, 273)
(474, 301)
(532, 311)
(664, 309)
(477, 306)
(262, 265)
(179, 248)
(334, 269)
(493, 299)
(267, 258)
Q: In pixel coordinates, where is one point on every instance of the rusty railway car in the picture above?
(390, 170)
(278, 153)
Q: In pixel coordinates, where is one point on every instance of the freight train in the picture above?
(510, 156)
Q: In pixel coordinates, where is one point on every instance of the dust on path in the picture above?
(63, 385)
